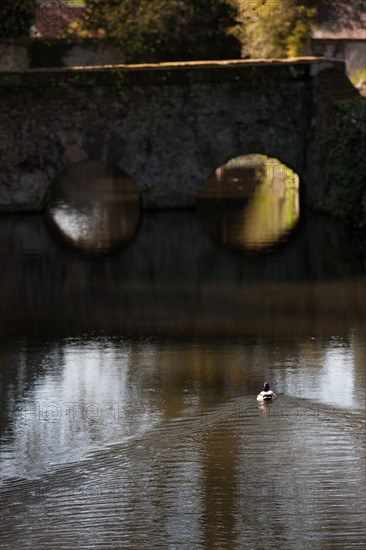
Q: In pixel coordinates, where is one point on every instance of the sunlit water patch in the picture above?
(85, 399)
(86, 395)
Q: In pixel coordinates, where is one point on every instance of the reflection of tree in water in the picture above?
(251, 203)
(93, 208)
(237, 179)
(220, 457)
(204, 379)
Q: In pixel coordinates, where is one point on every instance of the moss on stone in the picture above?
(347, 161)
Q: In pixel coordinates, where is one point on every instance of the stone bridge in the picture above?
(168, 126)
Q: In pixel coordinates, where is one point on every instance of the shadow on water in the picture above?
(173, 278)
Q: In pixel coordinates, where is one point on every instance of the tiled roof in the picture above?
(52, 18)
(343, 19)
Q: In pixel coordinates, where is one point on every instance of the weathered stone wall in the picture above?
(355, 56)
(14, 55)
(21, 54)
(169, 126)
(352, 52)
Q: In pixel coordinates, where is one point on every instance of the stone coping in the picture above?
(176, 65)
(188, 72)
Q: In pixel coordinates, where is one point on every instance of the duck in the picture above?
(266, 394)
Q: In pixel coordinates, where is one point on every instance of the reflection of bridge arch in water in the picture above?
(251, 202)
(93, 207)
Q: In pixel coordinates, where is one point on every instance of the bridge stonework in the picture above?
(168, 126)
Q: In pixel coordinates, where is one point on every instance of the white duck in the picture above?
(266, 394)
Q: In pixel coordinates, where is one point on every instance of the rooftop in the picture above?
(53, 16)
(342, 20)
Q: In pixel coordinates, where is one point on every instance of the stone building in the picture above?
(46, 46)
(54, 16)
(341, 34)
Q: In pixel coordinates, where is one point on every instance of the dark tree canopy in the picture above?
(16, 17)
(166, 29)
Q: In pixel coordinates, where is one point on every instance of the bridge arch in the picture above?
(168, 125)
(93, 207)
(251, 203)
(171, 176)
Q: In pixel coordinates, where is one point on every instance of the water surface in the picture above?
(129, 381)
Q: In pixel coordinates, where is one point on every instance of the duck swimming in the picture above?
(266, 394)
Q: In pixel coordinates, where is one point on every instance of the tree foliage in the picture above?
(16, 17)
(165, 29)
(276, 29)
(347, 142)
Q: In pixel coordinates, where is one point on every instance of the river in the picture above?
(129, 375)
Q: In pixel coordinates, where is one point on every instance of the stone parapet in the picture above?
(168, 125)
